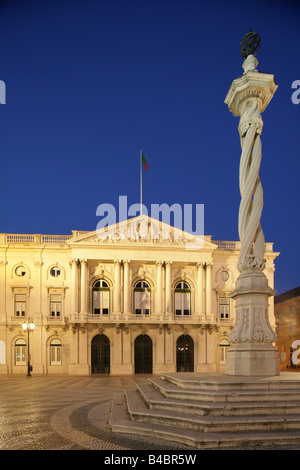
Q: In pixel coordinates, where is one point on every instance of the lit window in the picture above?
(101, 297)
(182, 299)
(142, 298)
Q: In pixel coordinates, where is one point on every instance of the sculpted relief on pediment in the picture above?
(140, 231)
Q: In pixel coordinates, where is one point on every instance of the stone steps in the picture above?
(221, 382)
(156, 400)
(169, 389)
(139, 412)
(222, 413)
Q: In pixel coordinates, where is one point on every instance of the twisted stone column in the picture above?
(251, 351)
(250, 230)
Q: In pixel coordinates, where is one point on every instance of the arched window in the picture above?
(101, 297)
(55, 352)
(142, 299)
(182, 298)
(224, 344)
(20, 352)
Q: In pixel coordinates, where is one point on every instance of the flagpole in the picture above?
(141, 182)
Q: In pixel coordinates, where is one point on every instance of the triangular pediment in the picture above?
(142, 230)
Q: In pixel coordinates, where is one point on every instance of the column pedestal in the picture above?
(251, 352)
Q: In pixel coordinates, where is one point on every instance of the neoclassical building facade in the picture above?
(133, 298)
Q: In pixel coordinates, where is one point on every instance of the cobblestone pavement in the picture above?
(65, 413)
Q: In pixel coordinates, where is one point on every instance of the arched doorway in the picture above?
(185, 354)
(143, 355)
(100, 355)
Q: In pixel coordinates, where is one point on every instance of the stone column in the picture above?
(208, 288)
(117, 296)
(74, 286)
(159, 300)
(126, 287)
(83, 307)
(199, 289)
(251, 352)
(168, 287)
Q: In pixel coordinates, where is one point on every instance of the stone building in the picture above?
(118, 301)
(287, 315)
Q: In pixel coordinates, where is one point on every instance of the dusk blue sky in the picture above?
(89, 83)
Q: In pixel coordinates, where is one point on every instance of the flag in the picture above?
(144, 162)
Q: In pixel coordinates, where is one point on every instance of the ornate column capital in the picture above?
(252, 85)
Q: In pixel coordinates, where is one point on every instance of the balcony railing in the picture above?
(34, 239)
(62, 239)
(234, 246)
(140, 318)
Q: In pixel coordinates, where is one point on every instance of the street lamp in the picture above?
(29, 326)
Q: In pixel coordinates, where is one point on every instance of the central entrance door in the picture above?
(100, 355)
(185, 354)
(143, 355)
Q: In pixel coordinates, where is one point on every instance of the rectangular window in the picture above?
(101, 302)
(55, 305)
(55, 355)
(224, 308)
(20, 305)
(142, 303)
(223, 350)
(20, 355)
(182, 303)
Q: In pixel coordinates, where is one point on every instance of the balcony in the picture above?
(54, 320)
(236, 245)
(27, 239)
(38, 319)
(151, 319)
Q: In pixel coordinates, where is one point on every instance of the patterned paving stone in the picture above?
(65, 413)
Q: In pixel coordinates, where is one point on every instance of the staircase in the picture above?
(208, 411)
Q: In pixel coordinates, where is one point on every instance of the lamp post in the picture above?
(29, 326)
